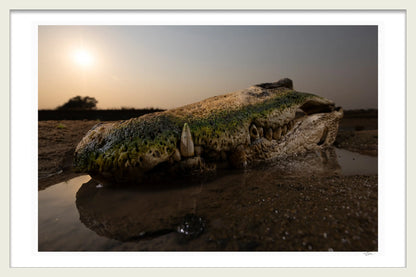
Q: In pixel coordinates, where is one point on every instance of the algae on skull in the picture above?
(244, 127)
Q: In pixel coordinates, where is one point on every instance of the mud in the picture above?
(56, 145)
(258, 210)
(323, 202)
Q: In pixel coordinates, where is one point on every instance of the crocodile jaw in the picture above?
(309, 133)
(310, 126)
(258, 125)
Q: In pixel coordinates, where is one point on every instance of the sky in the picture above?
(171, 66)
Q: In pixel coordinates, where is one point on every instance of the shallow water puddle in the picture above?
(81, 214)
(58, 219)
(352, 163)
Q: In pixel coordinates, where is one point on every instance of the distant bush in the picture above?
(79, 103)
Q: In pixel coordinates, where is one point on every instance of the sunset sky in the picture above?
(170, 66)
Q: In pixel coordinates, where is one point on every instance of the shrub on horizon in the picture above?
(79, 103)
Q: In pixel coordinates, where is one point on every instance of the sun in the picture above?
(83, 58)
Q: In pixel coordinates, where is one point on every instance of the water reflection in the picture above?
(129, 213)
(59, 227)
(133, 213)
(256, 207)
(356, 164)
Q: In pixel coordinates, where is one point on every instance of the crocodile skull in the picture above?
(262, 123)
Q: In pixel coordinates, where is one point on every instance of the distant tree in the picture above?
(79, 103)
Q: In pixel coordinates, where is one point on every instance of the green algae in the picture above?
(231, 121)
(130, 141)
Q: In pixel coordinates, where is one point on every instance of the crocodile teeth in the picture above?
(254, 133)
(260, 129)
(284, 130)
(176, 156)
(187, 145)
(277, 133)
(269, 134)
(198, 150)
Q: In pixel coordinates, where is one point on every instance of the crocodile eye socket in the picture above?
(316, 106)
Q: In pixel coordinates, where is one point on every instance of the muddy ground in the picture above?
(57, 140)
(358, 132)
(316, 213)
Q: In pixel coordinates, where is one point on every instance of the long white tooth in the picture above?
(187, 145)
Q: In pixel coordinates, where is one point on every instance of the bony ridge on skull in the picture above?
(262, 123)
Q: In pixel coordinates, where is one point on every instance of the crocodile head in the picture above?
(262, 123)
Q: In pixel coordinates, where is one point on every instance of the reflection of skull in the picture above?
(126, 214)
(130, 213)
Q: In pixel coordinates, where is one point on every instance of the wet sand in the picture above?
(234, 212)
(330, 208)
(57, 140)
(358, 132)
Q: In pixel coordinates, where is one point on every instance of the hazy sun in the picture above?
(83, 58)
